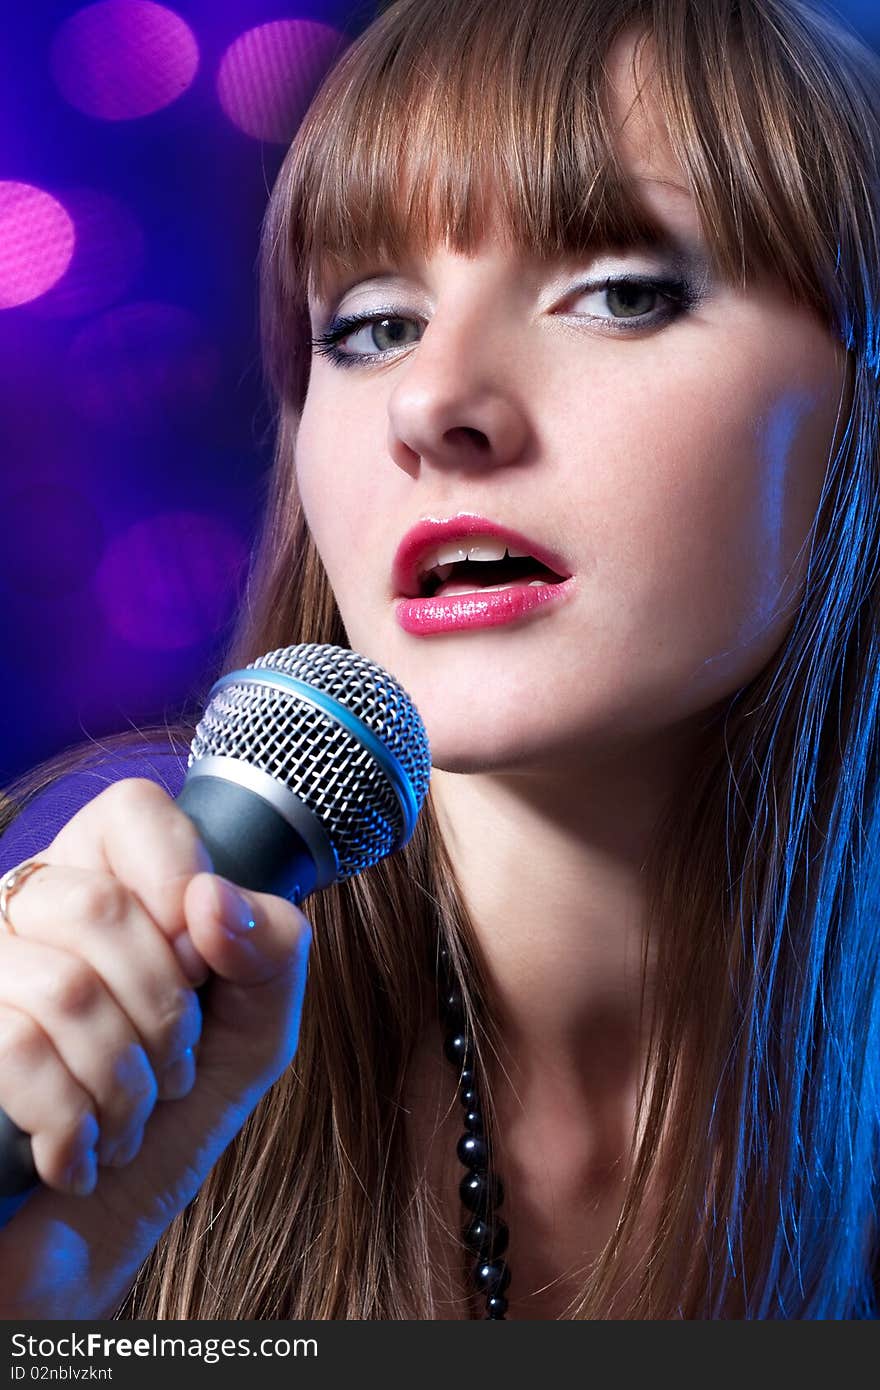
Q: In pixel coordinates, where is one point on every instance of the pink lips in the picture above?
(424, 616)
(458, 612)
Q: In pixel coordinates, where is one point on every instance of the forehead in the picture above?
(667, 219)
(643, 142)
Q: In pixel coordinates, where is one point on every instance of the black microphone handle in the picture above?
(252, 845)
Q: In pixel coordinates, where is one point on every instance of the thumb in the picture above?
(256, 946)
(251, 942)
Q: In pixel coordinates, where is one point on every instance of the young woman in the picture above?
(597, 283)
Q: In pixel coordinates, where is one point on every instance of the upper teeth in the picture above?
(445, 556)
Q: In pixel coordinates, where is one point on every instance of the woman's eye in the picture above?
(365, 337)
(631, 304)
(625, 298)
(384, 334)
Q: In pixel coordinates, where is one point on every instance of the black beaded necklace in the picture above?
(485, 1235)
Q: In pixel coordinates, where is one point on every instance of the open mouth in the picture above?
(468, 576)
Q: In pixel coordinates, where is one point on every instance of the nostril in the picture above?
(472, 435)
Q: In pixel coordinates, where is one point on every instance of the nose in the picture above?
(457, 403)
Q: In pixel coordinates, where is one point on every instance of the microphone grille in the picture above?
(301, 745)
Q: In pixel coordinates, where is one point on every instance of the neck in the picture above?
(551, 869)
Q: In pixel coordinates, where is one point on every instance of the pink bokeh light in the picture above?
(142, 365)
(37, 238)
(107, 259)
(171, 581)
(120, 59)
(268, 75)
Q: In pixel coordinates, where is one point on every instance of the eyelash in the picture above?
(678, 292)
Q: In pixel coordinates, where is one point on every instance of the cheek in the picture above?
(706, 561)
(334, 491)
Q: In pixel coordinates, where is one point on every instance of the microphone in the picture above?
(308, 766)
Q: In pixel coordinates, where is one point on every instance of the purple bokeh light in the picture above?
(120, 59)
(171, 581)
(37, 239)
(107, 259)
(142, 365)
(268, 75)
(53, 539)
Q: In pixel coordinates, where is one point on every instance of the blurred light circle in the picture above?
(143, 365)
(120, 59)
(36, 243)
(108, 256)
(170, 581)
(52, 540)
(268, 75)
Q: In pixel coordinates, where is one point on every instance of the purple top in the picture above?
(38, 824)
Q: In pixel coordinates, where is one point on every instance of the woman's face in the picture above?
(673, 460)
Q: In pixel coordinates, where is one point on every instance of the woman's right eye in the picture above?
(387, 331)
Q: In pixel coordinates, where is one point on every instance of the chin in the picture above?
(464, 739)
(476, 740)
(471, 763)
(481, 712)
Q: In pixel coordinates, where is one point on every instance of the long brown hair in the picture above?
(763, 890)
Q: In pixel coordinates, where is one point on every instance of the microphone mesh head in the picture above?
(322, 763)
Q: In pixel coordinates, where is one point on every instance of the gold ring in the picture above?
(12, 881)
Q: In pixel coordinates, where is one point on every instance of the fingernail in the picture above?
(178, 1080)
(126, 1150)
(87, 1132)
(82, 1175)
(235, 912)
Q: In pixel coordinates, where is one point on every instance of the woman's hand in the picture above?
(129, 1083)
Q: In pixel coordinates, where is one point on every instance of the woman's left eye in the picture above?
(628, 298)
